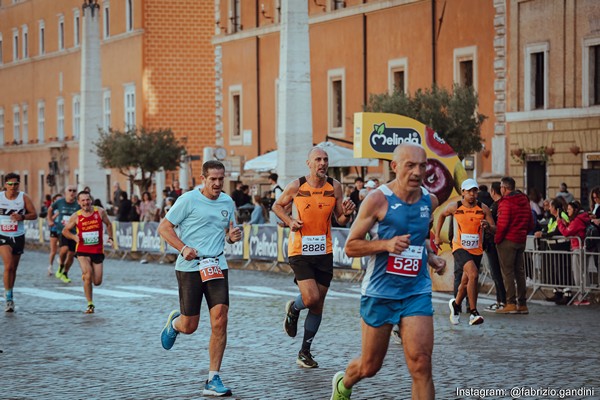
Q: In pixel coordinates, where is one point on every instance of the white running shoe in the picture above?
(454, 312)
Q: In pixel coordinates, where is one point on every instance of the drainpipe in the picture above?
(433, 47)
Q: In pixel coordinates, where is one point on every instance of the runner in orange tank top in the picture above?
(89, 243)
(314, 199)
(470, 219)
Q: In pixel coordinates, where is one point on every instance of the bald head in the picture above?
(318, 150)
(404, 150)
(318, 162)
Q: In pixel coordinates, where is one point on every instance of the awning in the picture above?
(338, 157)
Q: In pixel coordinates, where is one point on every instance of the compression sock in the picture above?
(8, 294)
(298, 305)
(211, 374)
(311, 326)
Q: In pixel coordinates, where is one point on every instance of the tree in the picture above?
(453, 115)
(139, 153)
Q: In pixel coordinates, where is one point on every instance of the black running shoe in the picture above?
(290, 323)
(305, 360)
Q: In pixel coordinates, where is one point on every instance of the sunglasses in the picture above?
(13, 183)
(72, 190)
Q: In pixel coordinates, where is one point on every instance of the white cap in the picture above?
(469, 184)
(370, 185)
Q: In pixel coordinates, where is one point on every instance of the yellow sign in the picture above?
(376, 135)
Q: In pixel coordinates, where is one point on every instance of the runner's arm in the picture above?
(50, 216)
(284, 201)
(449, 210)
(372, 210)
(108, 224)
(66, 232)
(30, 212)
(166, 230)
(343, 208)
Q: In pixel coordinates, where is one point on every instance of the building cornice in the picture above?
(561, 113)
(316, 19)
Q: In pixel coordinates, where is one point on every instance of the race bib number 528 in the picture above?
(408, 263)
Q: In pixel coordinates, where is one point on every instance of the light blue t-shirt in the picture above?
(201, 223)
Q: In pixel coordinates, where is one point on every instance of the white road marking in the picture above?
(108, 292)
(150, 290)
(46, 294)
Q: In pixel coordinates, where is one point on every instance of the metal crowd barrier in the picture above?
(550, 263)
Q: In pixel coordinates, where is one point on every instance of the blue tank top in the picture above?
(398, 276)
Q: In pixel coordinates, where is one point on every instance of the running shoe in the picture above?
(215, 387)
(305, 360)
(396, 334)
(454, 312)
(290, 323)
(336, 394)
(50, 270)
(475, 318)
(168, 334)
(90, 309)
(58, 274)
(10, 306)
(65, 278)
(494, 307)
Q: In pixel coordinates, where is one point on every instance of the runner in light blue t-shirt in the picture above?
(197, 226)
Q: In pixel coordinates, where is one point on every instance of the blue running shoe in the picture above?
(215, 387)
(168, 334)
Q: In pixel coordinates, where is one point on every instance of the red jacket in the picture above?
(575, 228)
(514, 218)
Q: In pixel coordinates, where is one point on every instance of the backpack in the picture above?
(592, 230)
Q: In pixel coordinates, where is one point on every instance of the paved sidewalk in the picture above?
(51, 350)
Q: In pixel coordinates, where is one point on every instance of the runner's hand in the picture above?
(296, 225)
(348, 207)
(235, 233)
(437, 263)
(398, 244)
(189, 253)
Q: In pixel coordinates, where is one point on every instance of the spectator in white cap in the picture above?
(471, 217)
(370, 185)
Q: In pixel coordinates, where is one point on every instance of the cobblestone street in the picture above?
(51, 350)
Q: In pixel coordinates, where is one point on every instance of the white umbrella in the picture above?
(338, 157)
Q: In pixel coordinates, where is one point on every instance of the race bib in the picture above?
(314, 245)
(65, 219)
(8, 225)
(408, 263)
(469, 241)
(90, 238)
(209, 269)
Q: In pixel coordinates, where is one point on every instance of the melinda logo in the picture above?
(385, 140)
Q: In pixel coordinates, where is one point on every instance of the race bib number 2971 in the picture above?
(408, 263)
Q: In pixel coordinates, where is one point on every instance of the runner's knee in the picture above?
(420, 365)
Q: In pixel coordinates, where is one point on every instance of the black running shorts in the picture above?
(17, 244)
(192, 289)
(461, 257)
(319, 268)
(54, 234)
(64, 241)
(94, 257)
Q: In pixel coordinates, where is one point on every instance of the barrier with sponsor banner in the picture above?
(259, 242)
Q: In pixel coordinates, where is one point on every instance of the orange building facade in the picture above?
(357, 48)
(157, 66)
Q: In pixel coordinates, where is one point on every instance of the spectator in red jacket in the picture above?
(514, 221)
(579, 220)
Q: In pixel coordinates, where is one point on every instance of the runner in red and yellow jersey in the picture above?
(314, 199)
(470, 219)
(89, 242)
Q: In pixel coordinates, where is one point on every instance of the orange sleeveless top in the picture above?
(468, 233)
(314, 207)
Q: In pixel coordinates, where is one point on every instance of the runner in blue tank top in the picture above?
(397, 287)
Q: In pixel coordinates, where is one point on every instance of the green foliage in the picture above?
(453, 115)
(139, 153)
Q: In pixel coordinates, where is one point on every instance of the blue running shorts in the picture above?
(377, 312)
